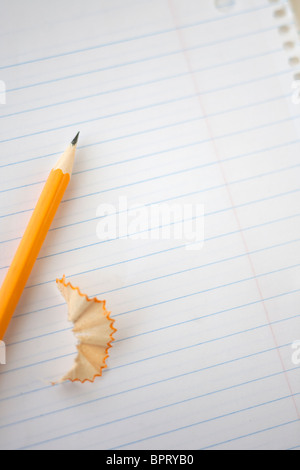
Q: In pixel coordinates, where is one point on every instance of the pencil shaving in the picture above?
(93, 328)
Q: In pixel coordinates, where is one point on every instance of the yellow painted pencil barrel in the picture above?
(34, 237)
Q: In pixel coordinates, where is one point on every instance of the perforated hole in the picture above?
(280, 13)
(225, 5)
(294, 61)
(289, 45)
(284, 29)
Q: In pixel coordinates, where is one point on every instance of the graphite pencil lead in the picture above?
(75, 140)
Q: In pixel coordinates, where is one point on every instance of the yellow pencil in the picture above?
(34, 236)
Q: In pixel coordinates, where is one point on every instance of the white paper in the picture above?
(177, 102)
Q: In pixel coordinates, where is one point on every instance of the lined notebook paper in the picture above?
(176, 101)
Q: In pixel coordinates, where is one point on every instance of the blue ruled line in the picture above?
(176, 148)
(166, 175)
(149, 106)
(274, 196)
(187, 400)
(153, 130)
(139, 61)
(256, 432)
(265, 351)
(169, 275)
(222, 286)
(216, 418)
(96, 143)
(162, 251)
(134, 38)
(150, 82)
(147, 358)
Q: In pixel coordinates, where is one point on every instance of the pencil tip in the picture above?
(75, 140)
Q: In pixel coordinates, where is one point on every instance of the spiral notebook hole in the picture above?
(280, 13)
(297, 77)
(294, 61)
(284, 29)
(289, 45)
